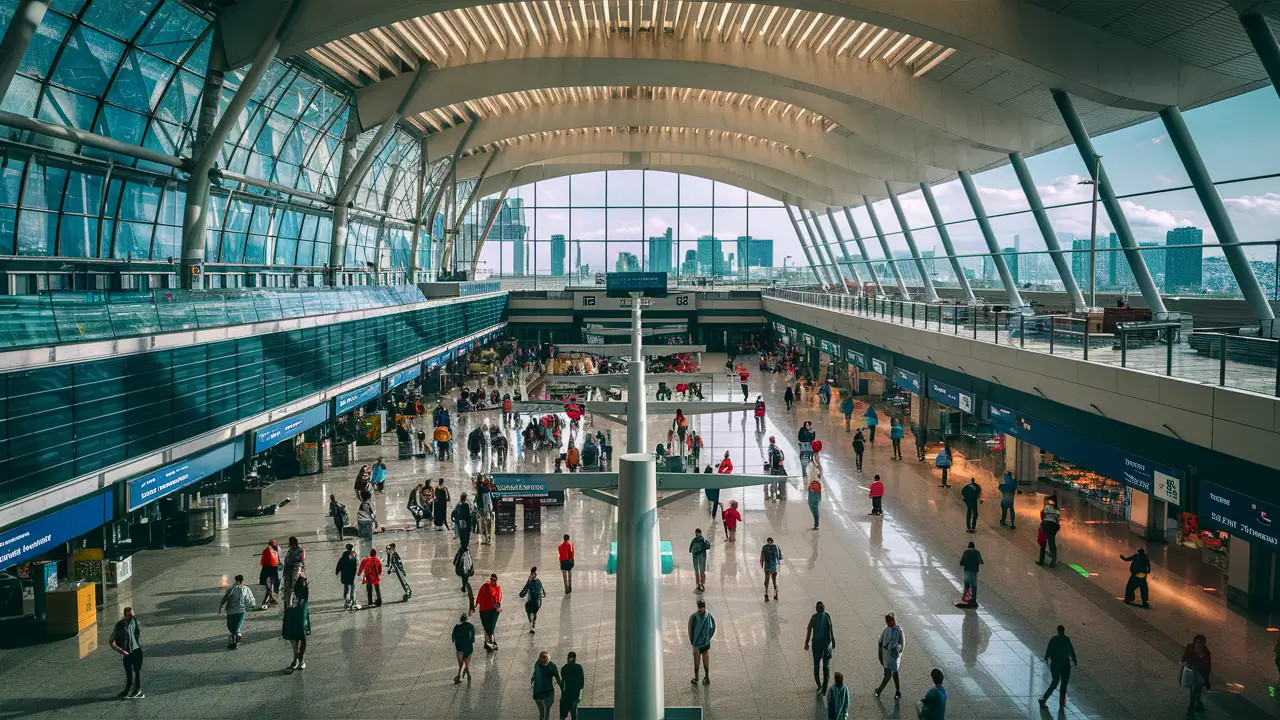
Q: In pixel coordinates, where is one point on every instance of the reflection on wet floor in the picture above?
(396, 661)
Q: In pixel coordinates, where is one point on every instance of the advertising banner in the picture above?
(173, 478)
(29, 540)
(355, 398)
(1239, 515)
(277, 432)
(952, 396)
(907, 380)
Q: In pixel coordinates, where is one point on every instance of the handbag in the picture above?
(1188, 676)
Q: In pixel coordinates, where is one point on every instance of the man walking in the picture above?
(1008, 487)
(702, 627)
(698, 547)
(823, 637)
(348, 565)
(127, 640)
(770, 558)
(572, 682)
(846, 409)
(235, 603)
(933, 706)
(1060, 656)
(1139, 569)
(970, 560)
(859, 446)
(463, 520)
(565, 550)
(395, 566)
(972, 495)
(489, 603)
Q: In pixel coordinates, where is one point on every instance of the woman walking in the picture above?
(464, 642)
(892, 641)
(544, 680)
(269, 575)
(1197, 664)
(846, 409)
(297, 624)
(441, 509)
(943, 462)
(815, 483)
(295, 566)
(895, 436)
(872, 420)
(532, 592)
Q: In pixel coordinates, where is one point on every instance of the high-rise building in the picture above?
(557, 255)
(660, 252)
(627, 262)
(754, 252)
(508, 226)
(710, 257)
(1011, 260)
(1080, 262)
(1155, 260)
(1184, 266)
(690, 264)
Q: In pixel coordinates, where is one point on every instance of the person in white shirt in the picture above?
(236, 603)
(892, 641)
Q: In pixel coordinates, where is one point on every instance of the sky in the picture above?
(1237, 139)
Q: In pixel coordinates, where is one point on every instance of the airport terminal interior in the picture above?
(651, 360)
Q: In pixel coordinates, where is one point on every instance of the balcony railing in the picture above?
(69, 317)
(1222, 356)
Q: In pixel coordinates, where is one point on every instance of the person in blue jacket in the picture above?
(1008, 487)
(846, 408)
(895, 436)
(872, 420)
(934, 704)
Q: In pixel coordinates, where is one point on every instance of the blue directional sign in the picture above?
(830, 348)
(30, 540)
(962, 400)
(517, 486)
(621, 285)
(355, 398)
(173, 478)
(907, 380)
(856, 358)
(1239, 514)
(288, 428)
(404, 376)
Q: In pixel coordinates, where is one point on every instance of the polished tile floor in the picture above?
(397, 661)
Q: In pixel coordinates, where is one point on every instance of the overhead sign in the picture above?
(32, 539)
(179, 475)
(1134, 471)
(355, 398)
(856, 358)
(436, 361)
(1239, 514)
(780, 327)
(962, 400)
(622, 284)
(404, 376)
(830, 348)
(518, 486)
(880, 366)
(907, 380)
(588, 302)
(808, 340)
(277, 432)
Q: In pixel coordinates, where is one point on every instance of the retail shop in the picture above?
(1240, 535)
(66, 544)
(355, 422)
(1146, 493)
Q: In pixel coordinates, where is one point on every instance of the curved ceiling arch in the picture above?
(844, 151)
(791, 75)
(658, 141)
(803, 191)
(887, 131)
(1048, 47)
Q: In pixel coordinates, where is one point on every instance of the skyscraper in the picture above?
(509, 226)
(660, 250)
(557, 255)
(710, 257)
(1184, 266)
(754, 252)
(627, 262)
(1011, 260)
(1080, 262)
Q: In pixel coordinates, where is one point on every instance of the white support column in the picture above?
(946, 243)
(884, 246)
(862, 248)
(17, 38)
(493, 216)
(857, 276)
(813, 267)
(930, 295)
(817, 225)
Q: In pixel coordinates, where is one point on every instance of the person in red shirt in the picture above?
(731, 519)
(1196, 656)
(726, 465)
(489, 603)
(876, 494)
(371, 572)
(759, 414)
(566, 564)
(269, 575)
(742, 378)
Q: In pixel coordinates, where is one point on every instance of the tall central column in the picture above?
(637, 670)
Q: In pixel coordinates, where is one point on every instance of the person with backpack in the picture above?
(815, 483)
(236, 603)
(943, 461)
(846, 409)
(463, 520)
(823, 636)
(338, 512)
(698, 548)
(859, 447)
(533, 592)
(464, 569)
(572, 458)
(770, 559)
(346, 570)
(1050, 524)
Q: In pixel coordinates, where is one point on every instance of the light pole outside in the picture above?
(1093, 230)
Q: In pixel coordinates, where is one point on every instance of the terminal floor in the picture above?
(397, 661)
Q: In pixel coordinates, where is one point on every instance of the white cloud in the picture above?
(1159, 139)
(1268, 204)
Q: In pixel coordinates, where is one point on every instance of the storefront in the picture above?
(176, 519)
(296, 445)
(352, 424)
(1120, 483)
(908, 401)
(39, 553)
(810, 359)
(828, 356)
(878, 377)
(1240, 535)
(857, 371)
